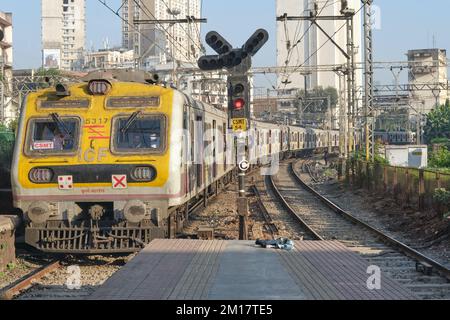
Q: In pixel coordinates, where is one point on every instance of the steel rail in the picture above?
(269, 222)
(28, 281)
(284, 203)
(405, 249)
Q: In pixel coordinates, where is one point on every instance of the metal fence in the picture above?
(408, 186)
(6, 152)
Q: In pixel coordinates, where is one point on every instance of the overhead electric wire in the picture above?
(307, 30)
(315, 52)
(288, 58)
(103, 2)
(325, 42)
(174, 43)
(187, 33)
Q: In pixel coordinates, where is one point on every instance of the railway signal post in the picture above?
(238, 62)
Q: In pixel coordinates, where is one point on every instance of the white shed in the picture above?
(407, 156)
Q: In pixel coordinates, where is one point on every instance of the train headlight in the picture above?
(144, 174)
(134, 211)
(41, 175)
(99, 87)
(39, 212)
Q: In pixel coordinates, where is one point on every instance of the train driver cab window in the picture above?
(56, 135)
(138, 134)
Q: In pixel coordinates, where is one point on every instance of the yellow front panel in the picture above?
(96, 123)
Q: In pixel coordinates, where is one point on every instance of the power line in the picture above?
(326, 5)
(103, 2)
(174, 43)
(325, 42)
(187, 33)
(299, 41)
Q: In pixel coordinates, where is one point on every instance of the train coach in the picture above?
(107, 165)
(395, 137)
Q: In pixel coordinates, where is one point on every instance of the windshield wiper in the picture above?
(132, 119)
(61, 125)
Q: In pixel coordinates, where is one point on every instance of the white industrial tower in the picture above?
(300, 44)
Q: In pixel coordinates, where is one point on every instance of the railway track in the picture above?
(270, 225)
(422, 275)
(28, 281)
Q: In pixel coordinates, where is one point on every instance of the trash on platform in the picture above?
(281, 243)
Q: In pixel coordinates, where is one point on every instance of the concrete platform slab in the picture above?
(240, 270)
(8, 225)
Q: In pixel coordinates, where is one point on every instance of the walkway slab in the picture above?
(240, 270)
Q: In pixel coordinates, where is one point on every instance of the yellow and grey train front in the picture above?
(92, 163)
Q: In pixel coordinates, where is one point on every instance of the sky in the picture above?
(405, 24)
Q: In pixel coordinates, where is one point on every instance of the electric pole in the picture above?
(368, 76)
(189, 20)
(347, 15)
(2, 82)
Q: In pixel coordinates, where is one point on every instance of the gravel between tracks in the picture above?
(94, 271)
(416, 229)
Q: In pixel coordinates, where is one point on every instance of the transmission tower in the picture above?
(368, 76)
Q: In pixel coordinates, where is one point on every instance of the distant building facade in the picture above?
(109, 59)
(211, 89)
(63, 34)
(265, 108)
(8, 111)
(428, 66)
(154, 43)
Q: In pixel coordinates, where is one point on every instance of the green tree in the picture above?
(13, 124)
(438, 124)
(6, 151)
(48, 72)
(321, 92)
(440, 158)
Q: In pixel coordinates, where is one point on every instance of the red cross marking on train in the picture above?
(97, 132)
(119, 181)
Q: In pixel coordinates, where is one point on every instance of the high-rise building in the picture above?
(63, 33)
(7, 109)
(428, 67)
(156, 41)
(314, 48)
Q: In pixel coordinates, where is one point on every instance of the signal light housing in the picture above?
(239, 96)
(212, 62)
(238, 89)
(256, 41)
(234, 58)
(218, 43)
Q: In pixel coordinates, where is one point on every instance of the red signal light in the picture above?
(238, 104)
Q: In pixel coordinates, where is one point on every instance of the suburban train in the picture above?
(395, 137)
(110, 163)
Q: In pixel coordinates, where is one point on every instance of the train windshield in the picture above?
(139, 134)
(50, 136)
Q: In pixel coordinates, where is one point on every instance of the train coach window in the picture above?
(46, 136)
(139, 135)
